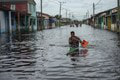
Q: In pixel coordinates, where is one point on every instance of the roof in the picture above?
(43, 14)
(105, 11)
(15, 1)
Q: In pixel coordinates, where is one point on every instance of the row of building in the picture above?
(105, 20)
(21, 15)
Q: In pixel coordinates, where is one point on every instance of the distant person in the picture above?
(74, 43)
(71, 24)
(51, 21)
(80, 24)
(76, 23)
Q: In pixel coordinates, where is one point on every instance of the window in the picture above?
(12, 7)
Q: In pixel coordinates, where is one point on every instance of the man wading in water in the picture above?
(74, 44)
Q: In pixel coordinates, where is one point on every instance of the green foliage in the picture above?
(58, 16)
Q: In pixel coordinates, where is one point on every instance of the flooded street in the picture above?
(42, 55)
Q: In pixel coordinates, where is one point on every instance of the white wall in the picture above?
(53, 25)
(113, 27)
(2, 21)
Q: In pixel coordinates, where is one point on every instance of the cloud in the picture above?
(78, 7)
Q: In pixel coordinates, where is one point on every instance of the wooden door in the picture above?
(109, 23)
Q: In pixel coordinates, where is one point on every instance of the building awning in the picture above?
(103, 14)
(114, 10)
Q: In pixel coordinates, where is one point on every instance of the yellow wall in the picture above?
(109, 23)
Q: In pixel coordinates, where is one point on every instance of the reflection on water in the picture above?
(78, 53)
(42, 56)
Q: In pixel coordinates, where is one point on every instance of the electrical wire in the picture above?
(98, 2)
(56, 2)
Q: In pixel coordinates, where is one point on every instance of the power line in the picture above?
(98, 2)
(53, 2)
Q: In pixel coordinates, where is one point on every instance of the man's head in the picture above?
(72, 33)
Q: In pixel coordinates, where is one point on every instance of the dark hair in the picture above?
(72, 32)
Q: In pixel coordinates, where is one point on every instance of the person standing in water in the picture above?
(74, 43)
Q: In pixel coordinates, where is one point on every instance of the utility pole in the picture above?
(41, 14)
(66, 15)
(70, 22)
(60, 8)
(70, 15)
(88, 13)
(73, 16)
(60, 11)
(93, 14)
(118, 4)
(118, 20)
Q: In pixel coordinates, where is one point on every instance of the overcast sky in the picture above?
(77, 7)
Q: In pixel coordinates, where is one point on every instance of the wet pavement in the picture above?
(42, 55)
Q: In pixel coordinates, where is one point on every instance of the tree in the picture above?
(58, 16)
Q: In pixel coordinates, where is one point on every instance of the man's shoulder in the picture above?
(70, 37)
(76, 36)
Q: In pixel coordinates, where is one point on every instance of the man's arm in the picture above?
(77, 39)
(70, 41)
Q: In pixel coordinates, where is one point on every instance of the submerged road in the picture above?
(42, 55)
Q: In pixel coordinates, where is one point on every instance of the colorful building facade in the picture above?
(105, 20)
(21, 15)
(47, 21)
